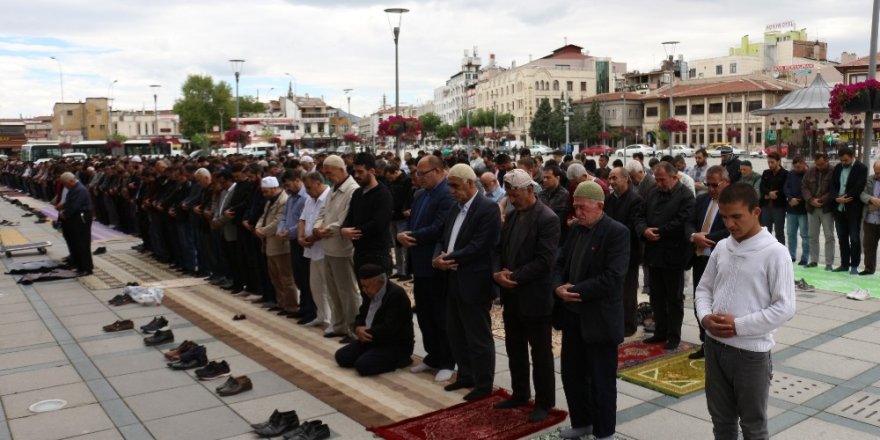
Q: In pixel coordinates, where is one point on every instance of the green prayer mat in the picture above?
(675, 375)
(841, 282)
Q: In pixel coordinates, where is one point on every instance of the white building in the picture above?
(142, 124)
(450, 100)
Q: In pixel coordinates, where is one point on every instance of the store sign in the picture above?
(780, 26)
(792, 67)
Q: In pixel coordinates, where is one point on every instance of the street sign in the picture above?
(771, 135)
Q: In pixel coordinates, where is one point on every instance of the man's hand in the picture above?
(229, 213)
(773, 195)
(247, 225)
(323, 232)
(701, 241)
(816, 202)
(719, 324)
(652, 234)
(362, 334)
(282, 233)
(794, 201)
(305, 242)
(441, 263)
(259, 232)
(351, 233)
(566, 295)
(406, 239)
(503, 279)
(844, 199)
(875, 201)
(172, 212)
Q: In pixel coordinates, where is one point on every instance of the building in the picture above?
(12, 136)
(451, 100)
(142, 124)
(38, 128)
(622, 113)
(854, 69)
(77, 121)
(567, 72)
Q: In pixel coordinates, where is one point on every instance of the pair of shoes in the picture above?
(159, 338)
(699, 354)
(347, 339)
(840, 269)
(476, 395)
(802, 285)
(195, 358)
(672, 344)
(121, 300)
(174, 354)
(866, 272)
(858, 294)
(214, 370)
(854, 270)
(812, 264)
(311, 430)
(278, 423)
(511, 403)
(654, 339)
(239, 317)
(458, 385)
(235, 385)
(119, 326)
(443, 375)
(802, 263)
(157, 323)
(100, 250)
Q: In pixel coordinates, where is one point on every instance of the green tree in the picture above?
(557, 124)
(430, 123)
(249, 104)
(593, 125)
(200, 141)
(117, 137)
(202, 103)
(578, 125)
(540, 128)
(445, 132)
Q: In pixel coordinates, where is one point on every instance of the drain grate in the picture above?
(796, 389)
(861, 406)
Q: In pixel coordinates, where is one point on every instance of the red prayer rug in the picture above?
(476, 420)
(637, 352)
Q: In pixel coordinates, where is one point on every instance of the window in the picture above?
(698, 109)
(861, 77)
(583, 86)
(537, 85)
(734, 107)
(555, 85)
(563, 67)
(681, 110)
(754, 105)
(716, 108)
(102, 127)
(692, 73)
(97, 112)
(569, 86)
(719, 69)
(732, 68)
(70, 113)
(651, 111)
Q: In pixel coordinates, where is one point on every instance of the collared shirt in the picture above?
(456, 226)
(375, 303)
(292, 212)
(309, 214)
(496, 195)
(844, 176)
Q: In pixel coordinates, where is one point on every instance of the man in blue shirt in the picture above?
(287, 227)
(76, 222)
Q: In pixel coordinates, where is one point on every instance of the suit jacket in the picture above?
(428, 227)
(670, 212)
(532, 266)
(717, 231)
(855, 184)
(600, 284)
(272, 244)
(868, 193)
(628, 209)
(473, 251)
(393, 322)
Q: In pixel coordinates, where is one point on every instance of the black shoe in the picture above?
(841, 269)
(812, 264)
(404, 278)
(83, 273)
(802, 263)
(654, 339)
(285, 422)
(672, 344)
(154, 325)
(538, 415)
(476, 395)
(213, 370)
(305, 320)
(159, 338)
(194, 358)
(511, 403)
(347, 340)
(458, 385)
(312, 430)
(866, 272)
(699, 354)
(100, 250)
(273, 419)
(334, 335)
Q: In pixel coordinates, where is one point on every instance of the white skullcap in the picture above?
(269, 182)
(334, 161)
(463, 172)
(517, 179)
(136, 159)
(307, 159)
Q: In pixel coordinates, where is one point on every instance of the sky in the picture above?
(327, 46)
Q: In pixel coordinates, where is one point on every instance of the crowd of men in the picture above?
(558, 243)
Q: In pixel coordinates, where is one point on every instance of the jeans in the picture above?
(774, 219)
(825, 220)
(794, 223)
(737, 389)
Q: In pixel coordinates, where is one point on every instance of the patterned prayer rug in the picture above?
(470, 421)
(673, 375)
(841, 282)
(634, 353)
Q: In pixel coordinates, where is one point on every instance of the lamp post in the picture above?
(110, 110)
(624, 121)
(61, 82)
(669, 48)
(236, 68)
(348, 98)
(155, 88)
(872, 74)
(396, 32)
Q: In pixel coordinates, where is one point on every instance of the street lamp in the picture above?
(396, 32)
(348, 97)
(110, 101)
(155, 88)
(61, 81)
(669, 48)
(236, 67)
(872, 74)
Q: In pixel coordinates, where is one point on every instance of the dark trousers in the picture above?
(430, 298)
(700, 262)
(589, 379)
(871, 236)
(667, 300)
(737, 389)
(371, 359)
(847, 225)
(235, 258)
(774, 219)
(521, 332)
(79, 241)
(300, 266)
(186, 244)
(469, 327)
(631, 300)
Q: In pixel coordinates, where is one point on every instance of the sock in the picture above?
(575, 433)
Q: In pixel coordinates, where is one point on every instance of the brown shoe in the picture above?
(184, 346)
(119, 326)
(235, 385)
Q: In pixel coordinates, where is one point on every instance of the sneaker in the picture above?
(802, 285)
(157, 323)
(858, 295)
(213, 370)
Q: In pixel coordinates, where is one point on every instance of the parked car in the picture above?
(717, 152)
(595, 150)
(540, 150)
(629, 150)
(681, 150)
(782, 151)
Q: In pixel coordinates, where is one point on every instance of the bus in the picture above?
(146, 148)
(36, 150)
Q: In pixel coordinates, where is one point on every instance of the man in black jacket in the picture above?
(383, 327)
(668, 209)
(526, 256)
(847, 184)
(628, 208)
(402, 197)
(773, 196)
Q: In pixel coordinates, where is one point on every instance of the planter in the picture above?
(860, 103)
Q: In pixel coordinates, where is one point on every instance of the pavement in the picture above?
(826, 382)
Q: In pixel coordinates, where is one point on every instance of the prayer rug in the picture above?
(476, 420)
(673, 375)
(634, 353)
(840, 282)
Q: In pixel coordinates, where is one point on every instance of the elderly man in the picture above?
(467, 245)
(383, 327)
(338, 250)
(275, 246)
(815, 188)
(668, 209)
(590, 273)
(643, 183)
(847, 184)
(76, 222)
(749, 176)
(492, 190)
(871, 226)
(628, 208)
(526, 255)
(312, 246)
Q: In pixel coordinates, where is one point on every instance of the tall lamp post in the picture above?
(61, 82)
(236, 68)
(872, 74)
(348, 98)
(669, 48)
(110, 110)
(396, 31)
(155, 88)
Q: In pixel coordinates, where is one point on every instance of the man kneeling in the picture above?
(383, 327)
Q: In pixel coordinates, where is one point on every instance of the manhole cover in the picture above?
(48, 405)
(796, 389)
(862, 406)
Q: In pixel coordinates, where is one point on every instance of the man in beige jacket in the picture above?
(276, 249)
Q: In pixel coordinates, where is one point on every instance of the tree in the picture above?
(578, 125)
(593, 124)
(557, 124)
(540, 128)
(444, 132)
(202, 103)
(248, 104)
(430, 123)
(200, 140)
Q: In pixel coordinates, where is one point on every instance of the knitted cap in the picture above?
(590, 190)
(334, 161)
(463, 172)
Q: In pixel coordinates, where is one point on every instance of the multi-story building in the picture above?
(451, 100)
(142, 124)
(77, 121)
(568, 72)
(620, 110)
(12, 136)
(38, 128)
(854, 69)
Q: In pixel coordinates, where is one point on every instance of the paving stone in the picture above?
(812, 323)
(342, 427)
(142, 314)
(208, 424)
(149, 381)
(36, 356)
(117, 365)
(10, 318)
(98, 318)
(835, 313)
(862, 407)
(259, 410)
(648, 427)
(64, 423)
(125, 341)
(792, 335)
(26, 339)
(167, 403)
(21, 327)
(110, 434)
(865, 334)
(636, 391)
(815, 429)
(266, 383)
(38, 379)
(79, 309)
(191, 333)
(796, 389)
(828, 364)
(861, 350)
(76, 394)
(16, 308)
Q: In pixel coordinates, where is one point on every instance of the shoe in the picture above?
(443, 375)
(100, 250)
(274, 418)
(305, 320)
(841, 269)
(458, 385)
(858, 295)
(854, 271)
(576, 433)
(83, 273)
(157, 323)
(284, 422)
(114, 299)
(812, 264)
(347, 339)
(123, 300)
(671, 344)
(476, 395)
(334, 335)
(699, 354)
(538, 415)
(314, 323)
(654, 339)
(311, 430)
(802, 263)
(404, 278)
(239, 317)
(828, 268)
(235, 385)
(194, 358)
(213, 370)
(174, 354)
(802, 285)
(159, 338)
(511, 403)
(866, 272)
(119, 326)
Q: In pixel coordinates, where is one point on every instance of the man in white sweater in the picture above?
(745, 294)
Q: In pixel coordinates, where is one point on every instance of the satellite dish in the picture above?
(775, 74)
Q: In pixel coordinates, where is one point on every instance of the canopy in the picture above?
(812, 99)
